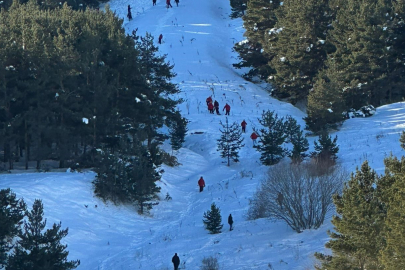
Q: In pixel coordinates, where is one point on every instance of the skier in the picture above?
(154, 2)
(176, 261)
(208, 100)
(216, 106)
(227, 109)
(230, 222)
(243, 124)
(168, 4)
(129, 13)
(160, 38)
(210, 107)
(254, 137)
(201, 183)
(177, 2)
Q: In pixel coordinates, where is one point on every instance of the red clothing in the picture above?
(253, 136)
(243, 124)
(209, 99)
(227, 108)
(167, 2)
(210, 106)
(201, 182)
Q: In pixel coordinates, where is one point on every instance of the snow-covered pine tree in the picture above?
(230, 141)
(212, 220)
(325, 148)
(272, 136)
(300, 146)
(37, 249)
(298, 52)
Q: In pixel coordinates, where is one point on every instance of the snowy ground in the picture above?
(198, 37)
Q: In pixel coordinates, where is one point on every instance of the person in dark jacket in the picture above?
(129, 13)
(154, 2)
(201, 183)
(227, 109)
(216, 106)
(243, 124)
(160, 38)
(177, 2)
(176, 261)
(230, 222)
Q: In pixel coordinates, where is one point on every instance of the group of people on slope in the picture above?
(176, 259)
(211, 106)
(168, 4)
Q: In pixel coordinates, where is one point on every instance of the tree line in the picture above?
(76, 88)
(334, 55)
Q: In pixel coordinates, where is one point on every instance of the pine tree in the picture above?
(271, 138)
(361, 36)
(129, 178)
(291, 128)
(230, 141)
(12, 211)
(178, 131)
(356, 239)
(325, 102)
(300, 48)
(300, 147)
(212, 220)
(259, 18)
(325, 148)
(37, 249)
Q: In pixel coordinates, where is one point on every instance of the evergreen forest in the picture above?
(333, 56)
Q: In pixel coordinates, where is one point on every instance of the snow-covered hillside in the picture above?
(198, 37)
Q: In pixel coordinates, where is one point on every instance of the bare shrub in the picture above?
(209, 263)
(298, 194)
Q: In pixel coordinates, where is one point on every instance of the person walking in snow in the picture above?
(227, 109)
(201, 183)
(254, 136)
(168, 4)
(216, 106)
(129, 13)
(154, 2)
(243, 124)
(208, 100)
(230, 222)
(177, 2)
(211, 107)
(176, 261)
(160, 38)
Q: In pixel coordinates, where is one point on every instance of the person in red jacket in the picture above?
(168, 4)
(227, 109)
(211, 107)
(243, 124)
(201, 183)
(254, 137)
(208, 100)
